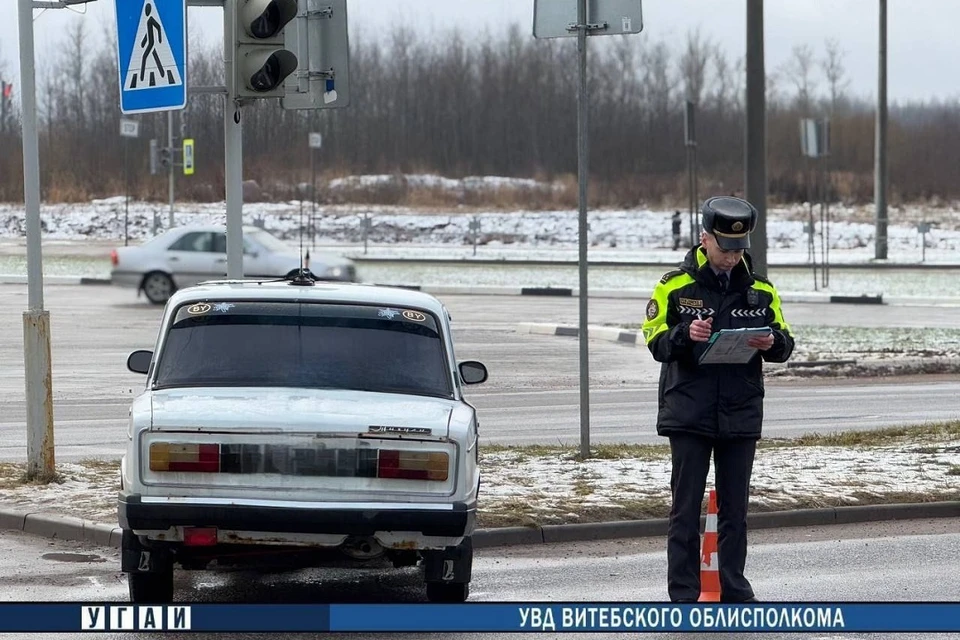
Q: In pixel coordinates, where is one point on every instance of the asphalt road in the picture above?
(532, 395)
(892, 561)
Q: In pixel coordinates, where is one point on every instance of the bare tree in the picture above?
(500, 104)
(834, 71)
(693, 65)
(799, 70)
(73, 63)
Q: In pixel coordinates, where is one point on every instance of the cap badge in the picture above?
(738, 226)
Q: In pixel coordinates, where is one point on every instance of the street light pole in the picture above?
(755, 180)
(583, 112)
(880, 153)
(233, 149)
(171, 186)
(36, 320)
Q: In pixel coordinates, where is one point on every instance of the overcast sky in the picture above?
(923, 47)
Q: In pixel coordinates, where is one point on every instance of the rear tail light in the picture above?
(198, 458)
(408, 465)
(199, 536)
(114, 257)
(252, 459)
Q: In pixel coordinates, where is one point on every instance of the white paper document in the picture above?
(729, 346)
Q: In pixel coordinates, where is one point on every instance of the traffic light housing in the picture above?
(261, 62)
(322, 45)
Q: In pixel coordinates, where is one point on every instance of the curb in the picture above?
(105, 535)
(61, 527)
(455, 261)
(564, 292)
(607, 334)
(547, 534)
(644, 294)
(633, 339)
(73, 280)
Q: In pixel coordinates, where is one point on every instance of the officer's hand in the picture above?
(700, 330)
(763, 344)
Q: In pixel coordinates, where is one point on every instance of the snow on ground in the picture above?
(617, 235)
(557, 488)
(457, 187)
(783, 478)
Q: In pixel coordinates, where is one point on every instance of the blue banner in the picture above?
(480, 617)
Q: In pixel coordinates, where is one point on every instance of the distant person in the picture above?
(713, 408)
(676, 221)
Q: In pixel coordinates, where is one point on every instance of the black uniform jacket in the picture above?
(712, 400)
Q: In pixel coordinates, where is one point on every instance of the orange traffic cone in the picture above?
(709, 567)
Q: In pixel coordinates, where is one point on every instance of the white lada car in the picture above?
(320, 421)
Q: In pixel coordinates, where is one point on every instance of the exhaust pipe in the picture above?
(361, 547)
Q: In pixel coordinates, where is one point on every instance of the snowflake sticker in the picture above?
(389, 314)
(223, 307)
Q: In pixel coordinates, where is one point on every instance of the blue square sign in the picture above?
(152, 54)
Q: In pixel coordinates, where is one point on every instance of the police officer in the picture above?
(713, 408)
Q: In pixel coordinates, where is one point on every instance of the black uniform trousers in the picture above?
(733, 462)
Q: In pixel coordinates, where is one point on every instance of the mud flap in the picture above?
(453, 564)
(135, 558)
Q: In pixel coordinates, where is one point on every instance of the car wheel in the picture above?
(448, 592)
(151, 588)
(158, 287)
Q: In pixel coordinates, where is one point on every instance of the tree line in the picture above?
(497, 104)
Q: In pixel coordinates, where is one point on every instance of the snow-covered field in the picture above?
(616, 235)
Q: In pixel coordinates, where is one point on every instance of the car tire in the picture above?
(151, 588)
(448, 592)
(158, 287)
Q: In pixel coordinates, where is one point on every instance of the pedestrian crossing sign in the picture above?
(152, 54)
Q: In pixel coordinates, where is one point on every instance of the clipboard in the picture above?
(729, 346)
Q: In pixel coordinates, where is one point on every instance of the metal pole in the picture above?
(475, 228)
(313, 198)
(126, 191)
(813, 227)
(173, 172)
(583, 149)
(692, 197)
(233, 151)
(821, 161)
(826, 230)
(880, 153)
(755, 179)
(696, 192)
(36, 321)
(827, 182)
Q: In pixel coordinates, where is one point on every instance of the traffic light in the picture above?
(261, 62)
(6, 91)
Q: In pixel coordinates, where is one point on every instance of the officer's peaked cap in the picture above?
(730, 220)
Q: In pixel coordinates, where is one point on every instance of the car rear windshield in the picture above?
(306, 345)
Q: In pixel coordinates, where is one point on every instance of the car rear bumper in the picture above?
(136, 515)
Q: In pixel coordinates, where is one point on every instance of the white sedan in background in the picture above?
(186, 256)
